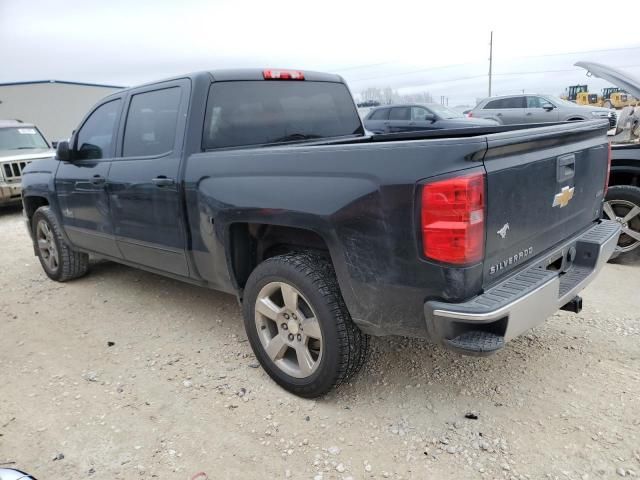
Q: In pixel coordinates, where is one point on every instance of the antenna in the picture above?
(490, 59)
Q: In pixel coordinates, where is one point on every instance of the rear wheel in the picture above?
(298, 324)
(622, 204)
(58, 260)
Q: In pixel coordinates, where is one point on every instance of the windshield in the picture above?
(443, 112)
(270, 112)
(21, 138)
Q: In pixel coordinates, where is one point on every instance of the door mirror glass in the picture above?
(548, 106)
(63, 152)
(429, 117)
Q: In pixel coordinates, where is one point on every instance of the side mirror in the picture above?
(63, 152)
(548, 106)
(429, 117)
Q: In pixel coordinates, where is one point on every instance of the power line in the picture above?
(432, 69)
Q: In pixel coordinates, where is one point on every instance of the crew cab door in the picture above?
(144, 180)
(508, 110)
(399, 120)
(81, 182)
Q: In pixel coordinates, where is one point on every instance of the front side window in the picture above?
(535, 102)
(419, 113)
(151, 124)
(400, 113)
(95, 138)
(242, 113)
(381, 114)
(21, 138)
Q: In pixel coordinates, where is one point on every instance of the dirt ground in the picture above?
(178, 390)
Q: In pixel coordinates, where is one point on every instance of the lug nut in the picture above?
(284, 326)
(291, 337)
(299, 337)
(286, 315)
(294, 316)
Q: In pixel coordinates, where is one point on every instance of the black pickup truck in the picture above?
(264, 184)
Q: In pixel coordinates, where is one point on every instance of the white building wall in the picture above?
(55, 108)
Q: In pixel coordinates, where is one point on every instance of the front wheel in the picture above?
(59, 261)
(298, 324)
(622, 204)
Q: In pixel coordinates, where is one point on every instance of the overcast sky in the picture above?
(440, 47)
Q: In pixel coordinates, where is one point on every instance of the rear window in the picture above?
(511, 102)
(400, 113)
(267, 112)
(382, 114)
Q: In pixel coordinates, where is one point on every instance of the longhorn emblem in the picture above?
(503, 231)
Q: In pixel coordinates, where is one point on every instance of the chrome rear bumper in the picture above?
(525, 299)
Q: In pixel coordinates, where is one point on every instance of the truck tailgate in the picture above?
(543, 185)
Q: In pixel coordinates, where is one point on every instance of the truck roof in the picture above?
(242, 74)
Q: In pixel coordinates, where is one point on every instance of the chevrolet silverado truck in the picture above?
(264, 184)
(20, 144)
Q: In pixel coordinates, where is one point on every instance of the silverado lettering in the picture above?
(511, 260)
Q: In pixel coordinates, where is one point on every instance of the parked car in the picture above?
(414, 117)
(534, 108)
(20, 143)
(264, 184)
(623, 196)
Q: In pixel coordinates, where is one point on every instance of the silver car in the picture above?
(535, 108)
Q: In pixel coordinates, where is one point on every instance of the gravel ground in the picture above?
(126, 375)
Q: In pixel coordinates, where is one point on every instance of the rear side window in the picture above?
(266, 112)
(382, 114)
(400, 113)
(151, 123)
(95, 138)
(511, 102)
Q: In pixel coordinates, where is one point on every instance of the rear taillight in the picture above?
(282, 75)
(452, 219)
(606, 182)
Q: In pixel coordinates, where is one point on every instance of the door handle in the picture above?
(498, 114)
(98, 180)
(528, 113)
(162, 181)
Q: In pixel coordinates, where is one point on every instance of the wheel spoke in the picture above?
(290, 296)
(266, 307)
(632, 233)
(311, 328)
(276, 348)
(305, 361)
(43, 244)
(632, 213)
(609, 211)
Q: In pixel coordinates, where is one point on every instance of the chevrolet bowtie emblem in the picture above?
(562, 199)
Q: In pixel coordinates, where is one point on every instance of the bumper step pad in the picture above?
(477, 342)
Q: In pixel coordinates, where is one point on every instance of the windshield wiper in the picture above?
(293, 137)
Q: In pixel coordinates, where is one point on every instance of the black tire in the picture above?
(345, 347)
(621, 198)
(70, 264)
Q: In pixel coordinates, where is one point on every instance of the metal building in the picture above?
(56, 107)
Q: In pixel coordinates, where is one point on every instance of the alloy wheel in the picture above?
(288, 329)
(627, 214)
(47, 246)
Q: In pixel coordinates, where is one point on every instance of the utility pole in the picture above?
(490, 60)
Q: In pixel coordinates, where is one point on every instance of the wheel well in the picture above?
(624, 178)
(251, 243)
(31, 204)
